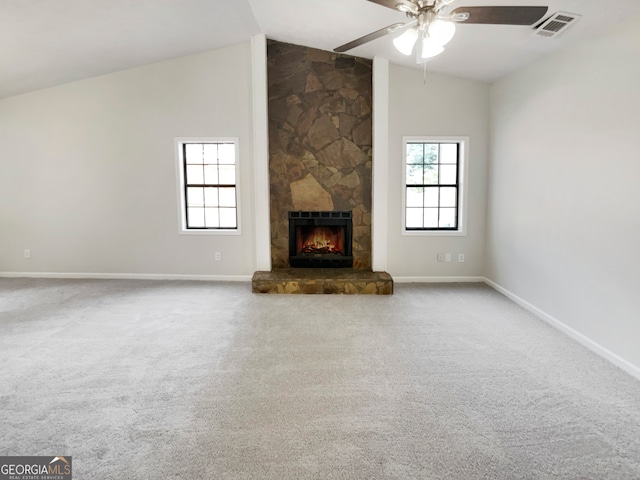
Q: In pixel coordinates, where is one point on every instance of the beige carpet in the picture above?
(195, 380)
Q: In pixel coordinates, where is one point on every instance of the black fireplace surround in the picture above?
(320, 239)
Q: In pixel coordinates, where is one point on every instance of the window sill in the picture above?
(434, 233)
(210, 232)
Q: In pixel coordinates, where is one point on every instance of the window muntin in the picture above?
(432, 184)
(209, 185)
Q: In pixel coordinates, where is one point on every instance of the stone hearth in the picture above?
(322, 281)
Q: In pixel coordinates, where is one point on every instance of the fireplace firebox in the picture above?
(320, 239)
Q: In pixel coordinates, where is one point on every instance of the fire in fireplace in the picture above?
(320, 239)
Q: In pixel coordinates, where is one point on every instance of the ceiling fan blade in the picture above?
(407, 4)
(367, 38)
(502, 15)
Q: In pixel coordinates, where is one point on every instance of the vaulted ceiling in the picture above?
(45, 43)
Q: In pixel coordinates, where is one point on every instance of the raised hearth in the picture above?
(322, 281)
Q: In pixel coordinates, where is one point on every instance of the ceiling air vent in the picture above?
(556, 24)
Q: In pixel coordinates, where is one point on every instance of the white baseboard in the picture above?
(438, 279)
(213, 278)
(127, 276)
(618, 361)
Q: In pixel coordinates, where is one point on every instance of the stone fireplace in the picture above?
(320, 174)
(319, 142)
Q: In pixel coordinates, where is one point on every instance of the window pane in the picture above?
(211, 197)
(210, 153)
(415, 153)
(196, 217)
(430, 153)
(448, 153)
(227, 197)
(193, 152)
(227, 153)
(195, 197)
(415, 174)
(228, 218)
(435, 184)
(430, 218)
(447, 218)
(211, 218)
(194, 174)
(209, 183)
(227, 175)
(414, 218)
(448, 174)
(431, 175)
(448, 197)
(431, 197)
(414, 196)
(211, 174)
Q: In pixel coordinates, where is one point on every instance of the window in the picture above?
(433, 193)
(208, 184)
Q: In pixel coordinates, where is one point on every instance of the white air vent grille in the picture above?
(557, 23)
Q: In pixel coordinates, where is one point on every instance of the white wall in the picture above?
(87, 173)
(564, 209)
(446, 106)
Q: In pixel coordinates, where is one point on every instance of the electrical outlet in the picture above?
(218, 256)
(447, 257)
(461, 257)
(27, 254)
(440, 257)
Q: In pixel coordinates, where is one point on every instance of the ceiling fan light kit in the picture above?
(432, 26)
(442, 31)
(405, 42)
(431, 33)
(430, 48)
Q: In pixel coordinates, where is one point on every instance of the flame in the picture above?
(321, 240)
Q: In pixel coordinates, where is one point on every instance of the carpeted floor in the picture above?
(196, 380)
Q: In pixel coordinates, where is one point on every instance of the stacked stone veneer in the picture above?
(319, 142)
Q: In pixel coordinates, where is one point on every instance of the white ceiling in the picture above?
(49, 42)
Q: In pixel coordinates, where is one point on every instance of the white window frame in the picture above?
(463, 164)
(182, 213)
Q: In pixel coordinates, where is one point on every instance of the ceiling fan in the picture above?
(432, 26)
